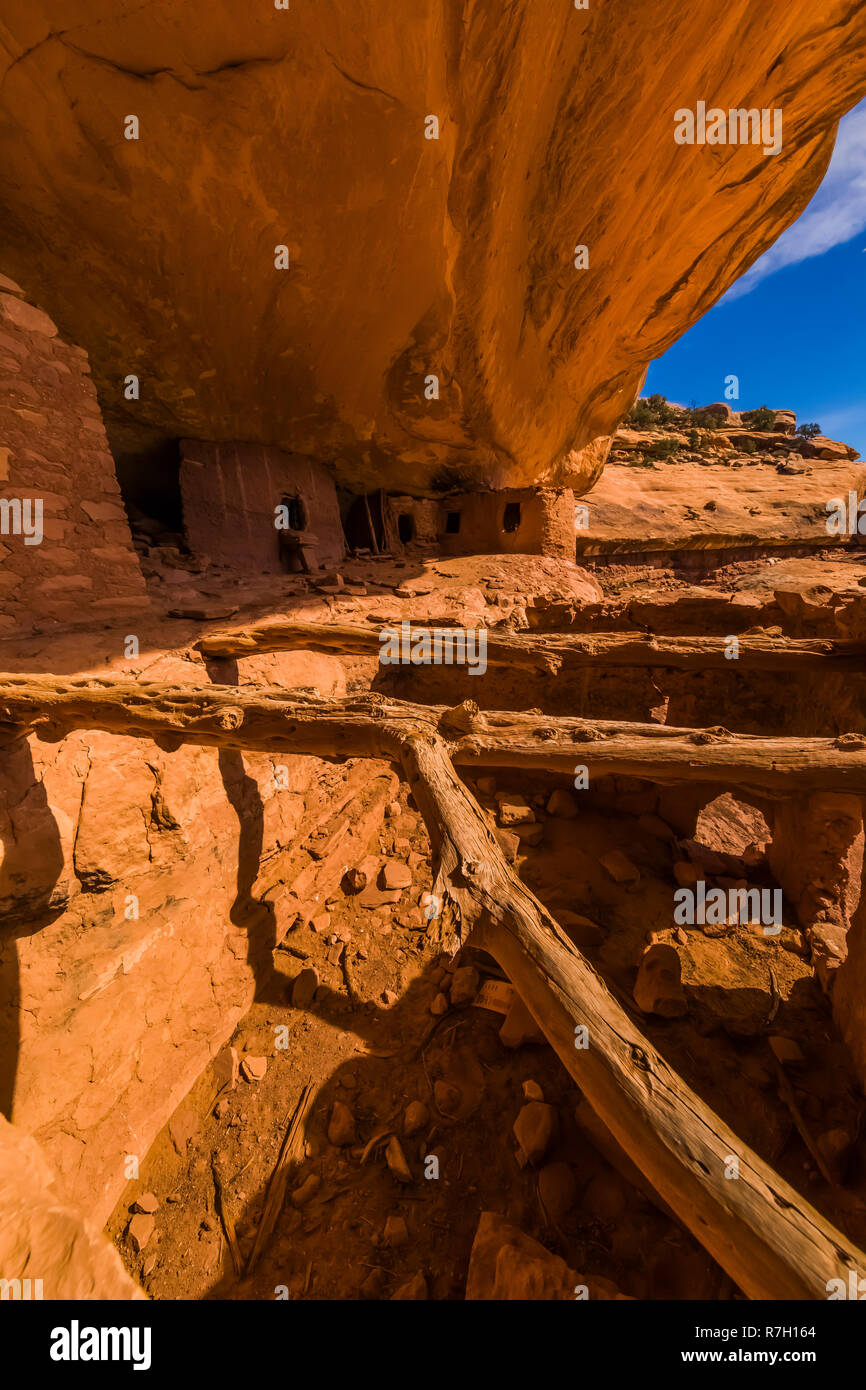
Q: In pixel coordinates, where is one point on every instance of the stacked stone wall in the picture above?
(66, 552)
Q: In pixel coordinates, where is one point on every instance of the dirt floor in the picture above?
(373, 1043)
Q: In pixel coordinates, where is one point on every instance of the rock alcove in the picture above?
(363, 975)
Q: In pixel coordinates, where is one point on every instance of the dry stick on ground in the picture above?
(227, 1222)
(552, 653)
(766, 1236)
(373, 541)
(276, 1193)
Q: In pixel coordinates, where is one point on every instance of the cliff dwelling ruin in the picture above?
(538, 974)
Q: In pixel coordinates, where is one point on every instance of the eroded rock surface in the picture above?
(674, 489)
(507, 1264)
(47, 1249)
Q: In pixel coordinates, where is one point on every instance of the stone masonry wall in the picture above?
(54, 450)
(546, 523)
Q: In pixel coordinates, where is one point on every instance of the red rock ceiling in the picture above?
(408, 256)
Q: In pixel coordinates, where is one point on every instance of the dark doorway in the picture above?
(296, 513)
(452, 523)
(363, 525)
(150, 486)
(511, 516)
(406, 528)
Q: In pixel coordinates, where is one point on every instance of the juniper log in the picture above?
(273, 718)
(553, 653)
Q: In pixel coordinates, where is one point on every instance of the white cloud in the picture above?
(835, 215)
(836, 422)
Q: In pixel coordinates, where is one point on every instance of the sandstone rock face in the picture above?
(820, 447)
(48, 1250)
(658, 988)
(160, 940)
(405, 256)
(726, 826)
(713, 497)
(142, 894)
(849, 991)
(506, 1264)
(816, 853)
(66, 551)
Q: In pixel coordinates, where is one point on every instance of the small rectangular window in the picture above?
(452, 523)
(511, 516)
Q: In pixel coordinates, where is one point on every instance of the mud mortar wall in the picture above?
(54, 450)
(545, 525)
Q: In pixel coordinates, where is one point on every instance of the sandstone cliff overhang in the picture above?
(407, 257)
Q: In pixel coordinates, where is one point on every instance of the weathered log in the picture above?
(266, 718)
(553, 652)
(770, 1241)
(773, 768)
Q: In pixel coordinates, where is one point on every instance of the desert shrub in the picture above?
(654, 410)
(640, 416)
(748, 446)
(762, 419)
(662, 448)
(664, 413)
(704, 419)
(809, 431)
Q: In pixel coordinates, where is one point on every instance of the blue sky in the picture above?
(793, 328)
